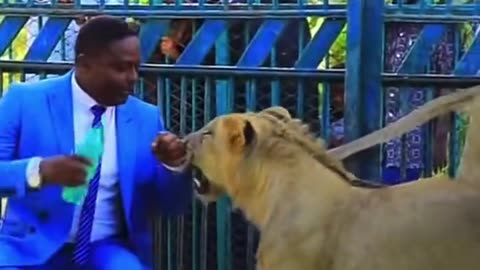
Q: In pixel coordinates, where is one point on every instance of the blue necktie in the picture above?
(82, 245)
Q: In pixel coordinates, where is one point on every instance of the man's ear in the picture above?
(83, 61)
(240, 132)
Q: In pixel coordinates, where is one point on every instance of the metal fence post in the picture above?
(363, 95)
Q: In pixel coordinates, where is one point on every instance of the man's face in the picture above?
(115, 72)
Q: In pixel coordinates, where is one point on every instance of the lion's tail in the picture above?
(434, 108)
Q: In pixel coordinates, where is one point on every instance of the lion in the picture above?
(311, 217)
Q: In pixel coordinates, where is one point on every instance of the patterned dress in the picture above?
(399, 39)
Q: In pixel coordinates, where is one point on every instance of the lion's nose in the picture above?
(192, 140)
(188, 139)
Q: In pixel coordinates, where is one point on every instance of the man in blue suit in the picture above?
(139, 175)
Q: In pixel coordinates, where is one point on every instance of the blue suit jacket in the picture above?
(36, 120)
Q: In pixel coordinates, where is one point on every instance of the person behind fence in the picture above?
(139, 175)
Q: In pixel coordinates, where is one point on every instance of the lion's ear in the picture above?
(278, 112)
(248, 133)
(240, 132)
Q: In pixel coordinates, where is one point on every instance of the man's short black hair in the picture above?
(99, 32)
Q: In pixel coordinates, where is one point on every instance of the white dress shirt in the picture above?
(107, 220)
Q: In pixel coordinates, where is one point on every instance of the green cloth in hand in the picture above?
(91, 148)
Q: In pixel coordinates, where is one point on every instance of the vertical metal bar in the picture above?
(195, 205)
(158, 229)
(207, 99)
(423, 5)
(428, 132)
(251, 83)
(404, 96)
(204, 245)
(180, 229)
(139, 90)
(363, 97)
(170, 221)
(275, 89)
(168, 101)
(180, 221)
(161, 96)
(223, 100)
(251, 105)
(170, 244)
(325, 112)
(300, 111)
(183, 106)
(455, 140)
(251, 95)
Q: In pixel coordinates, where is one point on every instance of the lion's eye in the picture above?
(207, 133)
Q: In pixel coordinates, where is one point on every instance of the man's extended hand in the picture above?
(68, 171)
(169, 149)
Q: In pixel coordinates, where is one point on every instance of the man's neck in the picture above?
(84, 86)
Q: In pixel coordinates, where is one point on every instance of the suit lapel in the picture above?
(61, 112)
(126, 146)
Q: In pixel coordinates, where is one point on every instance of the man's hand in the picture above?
(68, 171)
(169, 149)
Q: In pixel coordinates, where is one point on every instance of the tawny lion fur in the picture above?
(311, 218)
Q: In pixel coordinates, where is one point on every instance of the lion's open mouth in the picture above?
(200, 181)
